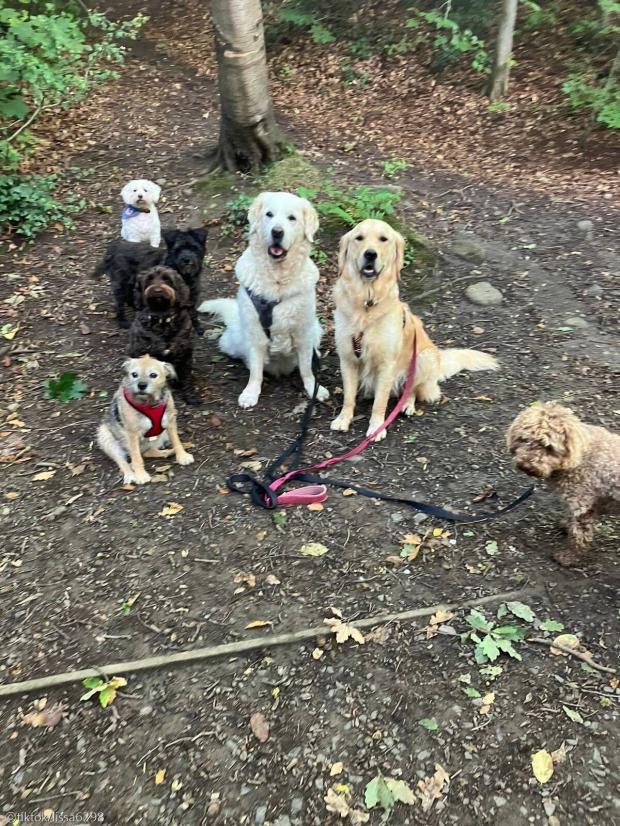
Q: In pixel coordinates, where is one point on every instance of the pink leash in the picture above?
(310, 494)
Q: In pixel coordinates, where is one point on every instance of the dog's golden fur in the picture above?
(369, 313)
(121, 435)
(581, 462)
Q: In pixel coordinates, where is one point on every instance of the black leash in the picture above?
(263, 496)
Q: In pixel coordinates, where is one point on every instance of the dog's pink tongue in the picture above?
(276, 251)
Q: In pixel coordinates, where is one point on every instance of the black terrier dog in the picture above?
(186, 252)
(124, 260)
(162, 327)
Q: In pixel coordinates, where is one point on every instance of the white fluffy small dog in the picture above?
(139, 216)
(272, 324)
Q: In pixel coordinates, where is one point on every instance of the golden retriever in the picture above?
(375, 329)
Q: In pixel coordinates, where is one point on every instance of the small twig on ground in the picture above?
(443, 286)
(235, 649)
(573, 653)
(461, 190)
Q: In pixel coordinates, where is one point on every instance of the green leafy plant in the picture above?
(603, 100)
(297, 15)
(65, 388)
(353, 205)
(386, 793)
(236, 214)
(392, 168)
(28, 204)
(538, 16)
(498, 107)
(452, 40)
(104, 689)
(492, 640)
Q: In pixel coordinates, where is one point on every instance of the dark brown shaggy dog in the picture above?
(162, 327)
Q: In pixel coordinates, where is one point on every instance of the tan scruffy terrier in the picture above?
(141, 420)
(580, 462)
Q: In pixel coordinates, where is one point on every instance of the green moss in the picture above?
(289, 174)
(214, 191)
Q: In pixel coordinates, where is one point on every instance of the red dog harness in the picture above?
(155, 413)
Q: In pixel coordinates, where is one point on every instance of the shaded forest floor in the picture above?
(77, 548)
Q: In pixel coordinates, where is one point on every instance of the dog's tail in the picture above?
(453, 361)
(224, 308)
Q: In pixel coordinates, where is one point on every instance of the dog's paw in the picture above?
(341, 422)
(141, 477)
(185, 458)
(129, 479)
(249, 397)
(409, 408)
(322, 394)
(371, 429)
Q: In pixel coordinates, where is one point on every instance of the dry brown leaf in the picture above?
(171, 509)
(337, 803)
(253, 465)
(431, 788)
(395, 560)
(258, 624)
(11, 494)
(270, 579)
(44, 475)
(349, 492)
(315, 506)
(48, 716)
(317, 654)
(160, 777)
(259, 726)
(381, 634)
(343, 631)
(336, 769)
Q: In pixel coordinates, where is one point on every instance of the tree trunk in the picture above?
(249, 135)
(498, 87)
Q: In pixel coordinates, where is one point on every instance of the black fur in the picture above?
(162, 327)
(124, 260)
(186, 252)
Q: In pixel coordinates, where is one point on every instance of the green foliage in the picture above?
(452, 40)
(602, 99)
(64, 388)
(490, 639)
(237, 210)
(537, 15)
(28, 204)
(49, 58)
(351, 206)
(392, 168)
(296, 15)
(386, 793)
(498, 107)
(350, 76)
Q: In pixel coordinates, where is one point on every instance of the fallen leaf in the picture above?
(11, 494)
(559, 755)
(381, 634)
(315, 506)
(440, 617)
(171, 509)
(48, 716)
(573, 715)
(176, 784)
(412, 539)
(542, 766)
(8, 331)
(261, 535)
(349, 492)
(44, 475)
(568, 641)
(253, 465)
(431, 788)
(429, 723)
(76, 470)
(337, 803)
(313, 549)
(160, 777)
(386, 792)
(259, 726)
(270, 579)
(84, 328)
(317, 654)
(395, 560)
(343, 631)
(258, 624)
(336, 769)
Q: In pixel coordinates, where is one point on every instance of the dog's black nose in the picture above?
(277, 234)
(370, 255)
(142, 385)
(140, 197)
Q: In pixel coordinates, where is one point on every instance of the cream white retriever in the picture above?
(272, 324)
(139, 216)
(375, 329)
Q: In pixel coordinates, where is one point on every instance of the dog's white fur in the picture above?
(145, 226)
(291, 280)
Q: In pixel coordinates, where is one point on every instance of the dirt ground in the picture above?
(77, 547)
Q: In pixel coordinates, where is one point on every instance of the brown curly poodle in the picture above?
(581, 462)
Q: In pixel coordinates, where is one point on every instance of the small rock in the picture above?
(297, 805)
(499, 801)
(594, 290)
(261, 814)
(419, 517)
(160, 181)
(283, 820)
(484, 293)
(397, 517)
(585, 226)
(577, 322)
(469, 249)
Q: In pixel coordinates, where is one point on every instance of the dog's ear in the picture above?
(311, 220)
(256, 207)
(181, 289)
(343, 251)
(126, 192)
(200, 234)
(169, 371)
(127, 365)
(155, 191)
(138, 291)
(170, 236)
(399, 242)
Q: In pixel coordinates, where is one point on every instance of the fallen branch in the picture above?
(571, 651)
(241, 647)
(445, 285)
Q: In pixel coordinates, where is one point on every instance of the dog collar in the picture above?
(129, 211)
(155, 413)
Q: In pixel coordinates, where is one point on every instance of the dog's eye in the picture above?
(292, 218)
(269, 214)
(359, 237)
(134, 375)
(383, 239)
(152, 375)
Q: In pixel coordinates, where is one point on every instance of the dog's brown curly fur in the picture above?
(162, 327)
(581, 462)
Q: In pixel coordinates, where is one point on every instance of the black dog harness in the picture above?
(264, 308)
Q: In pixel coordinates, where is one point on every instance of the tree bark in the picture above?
(249, 135)
(498, 87)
